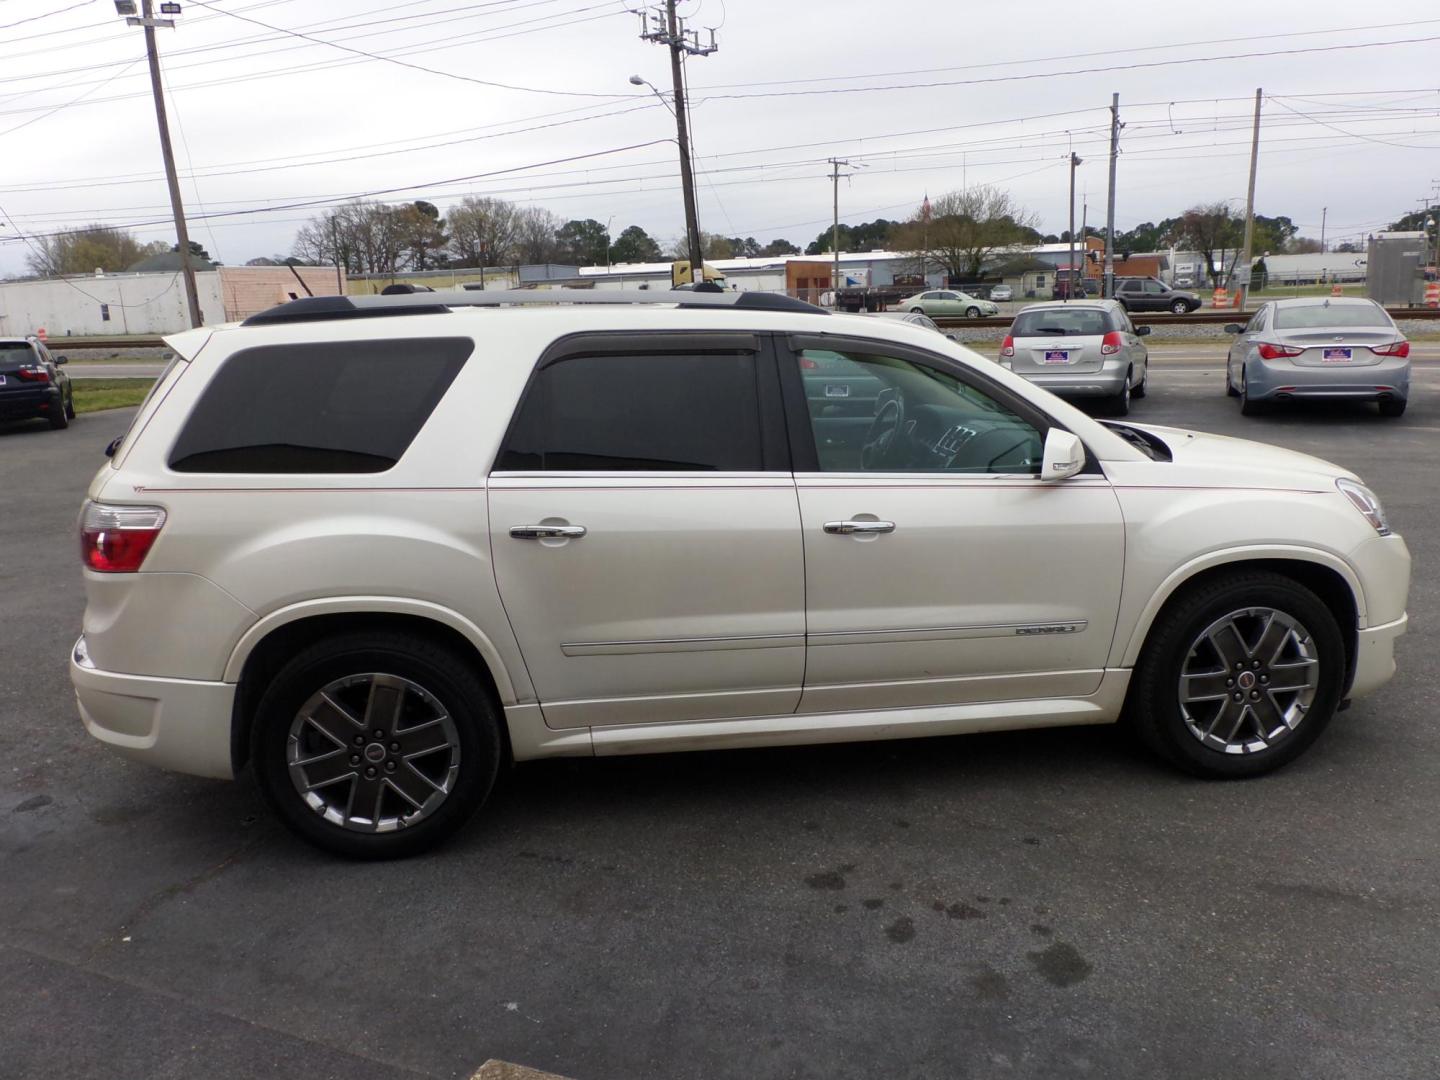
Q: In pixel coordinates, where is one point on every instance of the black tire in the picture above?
(1140, 391)
(1180, 307)
(1249, 406)
(1392, 407)
(1120, 403)
(1153, 709)
(972, 313)
(70, 405)
(917, 311)
(1230, 390)
(454, 684)
(58, 415)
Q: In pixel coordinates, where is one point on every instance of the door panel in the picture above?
(987, 588)
(683, 600)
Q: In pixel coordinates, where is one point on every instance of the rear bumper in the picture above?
(1375, 656)
(1281, 379)
(178, 724)
(23, 404)
(1107, 382)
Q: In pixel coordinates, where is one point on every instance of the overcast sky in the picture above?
(936, 96)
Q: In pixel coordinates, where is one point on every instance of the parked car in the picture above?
(1307, 348)
(579, 523)
(32, 384)
(1080, 349)
(1183, 283)
(1002, 293)
(1151, 294)
(914, 318)
(949, 302)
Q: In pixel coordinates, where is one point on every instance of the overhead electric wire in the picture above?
(75, 101)
(46, 15)
(402, 63)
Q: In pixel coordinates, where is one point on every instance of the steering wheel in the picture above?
(882, 443)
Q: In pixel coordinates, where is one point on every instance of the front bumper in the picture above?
(1375, 656)
(1284, 379)
(1107, 382)
(178, 724)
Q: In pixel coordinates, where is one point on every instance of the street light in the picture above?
(636, 80)
(687, 174)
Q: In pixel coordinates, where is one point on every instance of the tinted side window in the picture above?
(639, 413)
(334, 407)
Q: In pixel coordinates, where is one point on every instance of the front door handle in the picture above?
(547, 532)
(845, 528)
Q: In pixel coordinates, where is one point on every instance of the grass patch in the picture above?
(93, 395)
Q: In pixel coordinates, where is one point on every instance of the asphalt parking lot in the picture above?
(1039, 904)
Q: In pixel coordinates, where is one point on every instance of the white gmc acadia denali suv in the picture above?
(372, 548)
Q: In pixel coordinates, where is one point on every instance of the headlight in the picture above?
(1364, 500)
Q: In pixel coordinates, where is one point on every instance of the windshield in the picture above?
(1302, 316)
(1062, 322)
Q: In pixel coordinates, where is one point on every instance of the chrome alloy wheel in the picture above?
(1248, 680)
(373, 753)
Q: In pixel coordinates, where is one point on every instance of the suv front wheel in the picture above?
(1180, 307)
(376, 745)
(1239, 676)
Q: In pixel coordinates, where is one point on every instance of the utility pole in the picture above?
(664, 27)
(835, 164)
(335, 243)
(1324, 212)
(1250, 205)
(1110, 198)
(149, 22)
(1070, 285)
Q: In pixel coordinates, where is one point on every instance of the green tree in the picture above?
(1415, 221)
(779, 247)
(1211, 229)
(867, 236)
(422, 234)
(584, 243)
(87, 249)
(634, 245)
(964, 229)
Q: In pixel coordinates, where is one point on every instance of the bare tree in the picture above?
(965, 228)
(535, 236)
(483, 231)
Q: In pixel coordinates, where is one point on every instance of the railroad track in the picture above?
(1149, 318)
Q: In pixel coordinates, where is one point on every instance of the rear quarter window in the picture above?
(329, 407)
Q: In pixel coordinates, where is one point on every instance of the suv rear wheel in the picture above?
(376, 745)
(1239, 676)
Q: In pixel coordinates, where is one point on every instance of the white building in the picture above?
(119, 304)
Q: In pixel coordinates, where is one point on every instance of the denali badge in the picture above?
(1057, 628)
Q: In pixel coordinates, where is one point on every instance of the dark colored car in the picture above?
(32, 384)
(1152, 294)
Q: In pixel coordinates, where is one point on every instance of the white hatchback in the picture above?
(371, 548)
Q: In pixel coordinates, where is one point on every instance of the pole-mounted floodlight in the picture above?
(125, 7)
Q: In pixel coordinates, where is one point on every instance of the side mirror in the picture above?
(61, 359)
(1234, 328)
(1142, 331)
(1064, 455)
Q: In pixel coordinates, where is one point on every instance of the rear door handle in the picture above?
(547, 532)
(845, 528)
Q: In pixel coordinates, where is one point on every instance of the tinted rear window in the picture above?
(1302, 315)
(648, 412)
(1058, 322)
(13, 354)
(334, 407)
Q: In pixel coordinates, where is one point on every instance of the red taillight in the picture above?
(808, 364)
(1007, 347)
(33, 374)
(115, 539)
(1395, 348)
(1276, 352)
(1111, 343)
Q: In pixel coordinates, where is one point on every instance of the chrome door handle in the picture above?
(547, 532)
(844, 528)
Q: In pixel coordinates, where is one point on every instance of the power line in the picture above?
(402, 63)
(1074, 71)
(75, 101)
(47, 15)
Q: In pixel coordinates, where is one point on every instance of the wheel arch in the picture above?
(1332, 580)
(267, 645)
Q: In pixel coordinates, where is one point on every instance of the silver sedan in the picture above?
(1341, 348)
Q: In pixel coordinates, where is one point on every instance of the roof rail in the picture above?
(317, 308)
